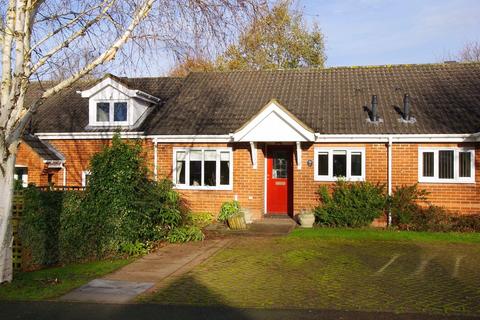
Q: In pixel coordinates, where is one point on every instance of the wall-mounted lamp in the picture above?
(309, 163)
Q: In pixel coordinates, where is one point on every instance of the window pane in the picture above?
(445, 164)
(279, 165)
(210, 170)
(180, 167)
(323, 164)
(428, 164)
(339, 163)
(356, 167)
(225, 168)
(196, 168)
(103, 111)
(120, 111)
(465, 164)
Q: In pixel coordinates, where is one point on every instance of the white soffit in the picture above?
(274, 124)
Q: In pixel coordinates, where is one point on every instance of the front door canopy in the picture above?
(274, 123)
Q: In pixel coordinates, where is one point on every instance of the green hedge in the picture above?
(121, 211)
(351, 204)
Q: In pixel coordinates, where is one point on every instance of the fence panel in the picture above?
(17, 210)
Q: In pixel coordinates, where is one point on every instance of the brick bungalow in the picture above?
(271, 138)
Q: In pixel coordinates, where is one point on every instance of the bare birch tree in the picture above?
(40, 37)
(470, 52)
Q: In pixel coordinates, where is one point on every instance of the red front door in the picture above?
(279, 180)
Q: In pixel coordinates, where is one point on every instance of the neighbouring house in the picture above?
(270, 138)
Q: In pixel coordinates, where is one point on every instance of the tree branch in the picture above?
(70, 39)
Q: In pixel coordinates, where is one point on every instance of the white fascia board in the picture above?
(120, 87)
(341, 138)
(255, 123)
(88, 135)
(405, 138)
(190, 138)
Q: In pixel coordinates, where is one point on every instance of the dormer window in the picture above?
(111, 103)
(112, 112)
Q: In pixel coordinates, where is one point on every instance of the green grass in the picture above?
(338, 269)
(53, 282)
(385, 235)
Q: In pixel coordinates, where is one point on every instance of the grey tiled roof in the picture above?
(42, 148)
(445, 98)
(68, 111)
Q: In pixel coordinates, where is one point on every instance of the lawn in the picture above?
(54, 282)
(339, 269)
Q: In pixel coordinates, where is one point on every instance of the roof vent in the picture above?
(373, 112)
(405, 114)
(406, 107)
(374, 109)
(450, 61)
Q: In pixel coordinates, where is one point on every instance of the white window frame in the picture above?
(187, 168)
(16, 177)
(330, 151)
(456, 173)
(85, 173)
(111, 112)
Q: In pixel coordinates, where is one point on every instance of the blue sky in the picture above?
(372, 32)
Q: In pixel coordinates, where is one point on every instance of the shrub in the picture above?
(185, 234)
(40, 224)
(228, 210)
(467, 223)
(199, 219)
(136, 248)
(404, 205)
(350, 204)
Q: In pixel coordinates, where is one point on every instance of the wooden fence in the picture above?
(17, 210)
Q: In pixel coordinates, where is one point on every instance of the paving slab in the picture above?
(146, 273)
(107, 291)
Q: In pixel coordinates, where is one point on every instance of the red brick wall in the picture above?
(248, 183)
(28, 158)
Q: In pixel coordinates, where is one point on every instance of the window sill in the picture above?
(437, 181)
(334, 179)
(200, 188)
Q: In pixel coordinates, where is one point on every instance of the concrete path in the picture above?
(146, 273)
(260, 228)
(83, 311)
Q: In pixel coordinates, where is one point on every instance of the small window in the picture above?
(347, 163)
(428, 164)
(356, 167)
(224, 168)
(339, 163)
(21, 175)
(280, 165)
(196, 168)
(446, 165)
(120, 111)
(465, 164)
(103, 112)
(323, 163)
(180, 167)
(210, 165)
(203, 168)
(86, 178)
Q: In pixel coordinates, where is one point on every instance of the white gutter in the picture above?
(155, 159)
(87, 135)
(331, 138)
(389, 178)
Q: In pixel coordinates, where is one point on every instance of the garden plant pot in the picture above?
(237, 223)
(306, 220)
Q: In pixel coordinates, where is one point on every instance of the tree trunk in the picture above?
(6, 235)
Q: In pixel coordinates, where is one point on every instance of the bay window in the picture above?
(203, 168)
(334, 163)
(446, 165)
